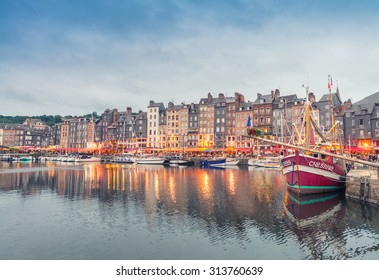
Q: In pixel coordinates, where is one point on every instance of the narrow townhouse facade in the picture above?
(183, 125)
(263, 113)
(193, 126)
(232, 106)
(206, 122)
(64, 133)
(140, 129)
(219, 122)
(174, 136)
(55, 135)
(156, 114)
(243, 144)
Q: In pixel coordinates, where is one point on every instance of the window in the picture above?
(353, 122)
(360, 121)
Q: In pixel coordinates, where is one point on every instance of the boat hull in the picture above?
(265, 162)
(150, 161)
(181, 162)
(89, 159)
(310, 175)
(210, 163)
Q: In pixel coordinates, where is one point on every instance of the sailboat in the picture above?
(312, 173)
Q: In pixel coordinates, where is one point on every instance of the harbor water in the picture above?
(95, 211)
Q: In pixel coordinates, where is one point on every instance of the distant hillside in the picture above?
(49, 120)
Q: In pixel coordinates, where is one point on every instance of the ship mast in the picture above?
(307, 118)
(330, 84)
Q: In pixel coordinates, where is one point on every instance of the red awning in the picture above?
(246, 150)
(357, 149)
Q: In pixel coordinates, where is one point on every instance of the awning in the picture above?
(358, 149)
(245, 150)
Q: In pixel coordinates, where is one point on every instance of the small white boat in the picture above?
(267, 162)
(150, 160)
(181, 162)
(85, 158)
(231, 161)
(71, 159)
(123, 159)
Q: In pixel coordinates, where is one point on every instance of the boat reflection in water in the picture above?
(312, 209)
(317, 222)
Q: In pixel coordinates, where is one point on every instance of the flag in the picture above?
(249, 124)
(330, 81)
(250, 129)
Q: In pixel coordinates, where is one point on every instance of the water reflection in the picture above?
(244, 212)
(218, 196)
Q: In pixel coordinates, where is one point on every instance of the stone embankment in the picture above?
(363, 185)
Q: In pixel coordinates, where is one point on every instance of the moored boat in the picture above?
(231, 161)
(123, 159)
(307, 174)
(181, 162)
(150, 160)
(312, 170)
(268, 162)
(217, 162)
(87, 158)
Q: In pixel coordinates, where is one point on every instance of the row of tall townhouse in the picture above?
(214, 122)
(16, 135)
(221, 122)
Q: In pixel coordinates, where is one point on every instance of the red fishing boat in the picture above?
(306, 174)
(312, 173)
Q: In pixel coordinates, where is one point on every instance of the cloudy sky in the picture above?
(79, 56)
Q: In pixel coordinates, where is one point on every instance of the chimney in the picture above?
(128, 110)
(151, 102)
(209, 97)
(277, 93)
(221, 96)
(272, 94)
(311, 97)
